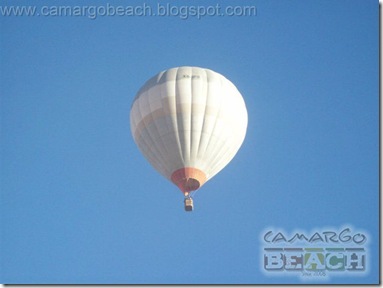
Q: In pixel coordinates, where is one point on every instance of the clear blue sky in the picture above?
(80, 204)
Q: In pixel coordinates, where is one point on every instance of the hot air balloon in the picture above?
(189, 123)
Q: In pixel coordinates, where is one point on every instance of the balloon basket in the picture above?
(188, 204)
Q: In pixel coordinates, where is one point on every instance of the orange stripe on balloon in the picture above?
(188, 178)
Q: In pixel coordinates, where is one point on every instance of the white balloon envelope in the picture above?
(189, 123)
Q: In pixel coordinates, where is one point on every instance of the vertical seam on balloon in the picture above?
(162, 106)
(191, 115)
(172, 125)
(175, 103)
(172, 129)
(220, 151)
(176, 88)
(187, 144)
(204, 112)
(215, 124)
